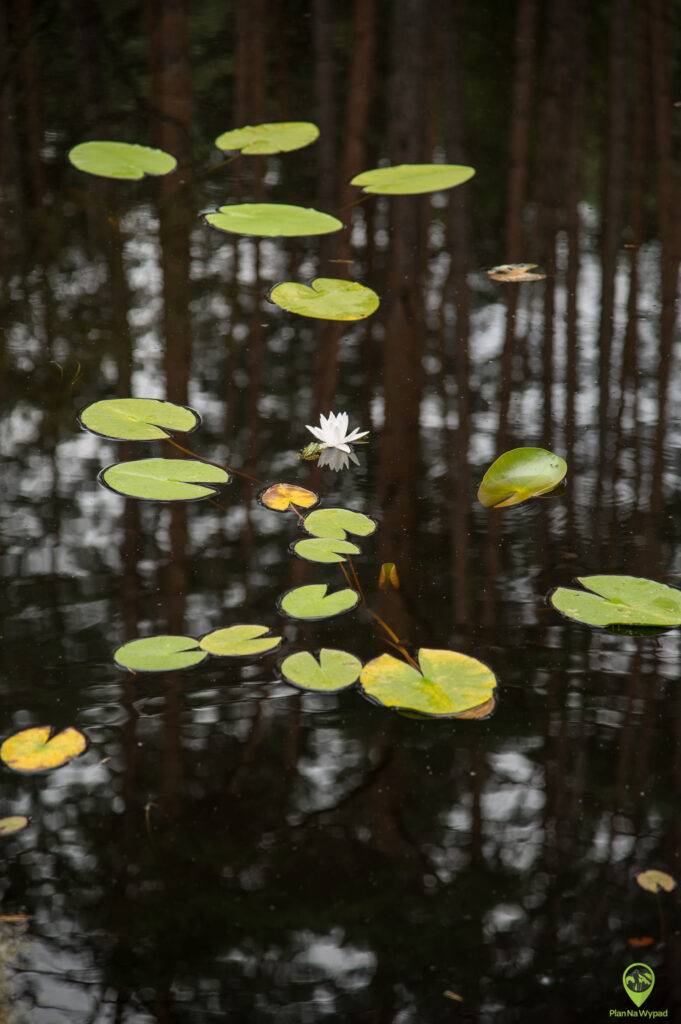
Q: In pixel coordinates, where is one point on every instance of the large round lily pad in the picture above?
(265, 139)
(137, 419)
(272, 220)
(333, 670)
(449, 684)
(166, 653)
(164, 479)
(338, 523)
(123, 160)
(619, 601)
(40, 749)
(313, 602)
(327, 298)
(520, 474)
(412, 179)
(242, 641)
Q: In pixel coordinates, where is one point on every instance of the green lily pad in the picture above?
(334, 670)
(40, 749)
(159, 654)
(163, 479)
(520, 474)
(328, 298)
(272, 220)
(265, 139)
(313, 602)
(239, 641)
(137, 419)
(338, 523)
(412, 179)
(12, 824)
(325, 549)
(619, 601)
(449, 684)
(123, 160)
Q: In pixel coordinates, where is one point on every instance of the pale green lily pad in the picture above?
(123, 160)
(325, 549)
(313, 602)
(333, 670)
(159, 654)
(164, 479)
(265, 139)
(338, 523)
(272, 220)
(137, 419)
(520, 474)
(14, 823)
(242, 641)
(412, 179)
(327, 298)
(449, 684)
(619, 601)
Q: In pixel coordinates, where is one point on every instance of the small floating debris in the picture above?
(515, 273)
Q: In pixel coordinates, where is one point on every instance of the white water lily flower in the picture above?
(332, 432)
(333, 458)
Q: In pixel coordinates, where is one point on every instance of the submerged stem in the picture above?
(201, 458)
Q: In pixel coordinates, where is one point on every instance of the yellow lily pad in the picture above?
(448, 685)
(280, 497)
(327, 298)
(39, 749)
(654, 881)
(12, 824)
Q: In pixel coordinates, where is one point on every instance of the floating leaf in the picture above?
(520, 474)
(163, 479)
(137, 419)
(654, 881)
(280, 497)
(15, 823)
(515, 273)
(239, 641)
(159, 654)
(122, 160)
(388, 578)
(338, 523)
(328, 298)
(453, 996)
(272, 220)
(640, 943)
(265, 139)
(449, 684)
(313, 602)
(335, 670)
(39, 749)
(619, 601)
(412, 179)
(325, 549)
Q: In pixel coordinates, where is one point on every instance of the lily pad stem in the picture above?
(209, 462)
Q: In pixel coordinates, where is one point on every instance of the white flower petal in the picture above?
(316, 432)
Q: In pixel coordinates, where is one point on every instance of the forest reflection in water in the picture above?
(229, 849)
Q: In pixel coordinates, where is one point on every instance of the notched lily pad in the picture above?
(137, 419)
(280, 497)
(412, 179)
(121, 160)
(327, 298)
(313, 602)
(242, 641)
(266, 139)
(330, 671)
(520, 474)
(338, 523)
(515, 273)
(166, 653)
(328, 550)
(449, 685)
(272, 220)
(15, 823)
(40, 749)
(656, 881)
(164, 479)
(619, 601)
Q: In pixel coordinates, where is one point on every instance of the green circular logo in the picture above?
(638, 981)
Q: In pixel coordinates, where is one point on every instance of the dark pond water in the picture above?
(231, 849)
